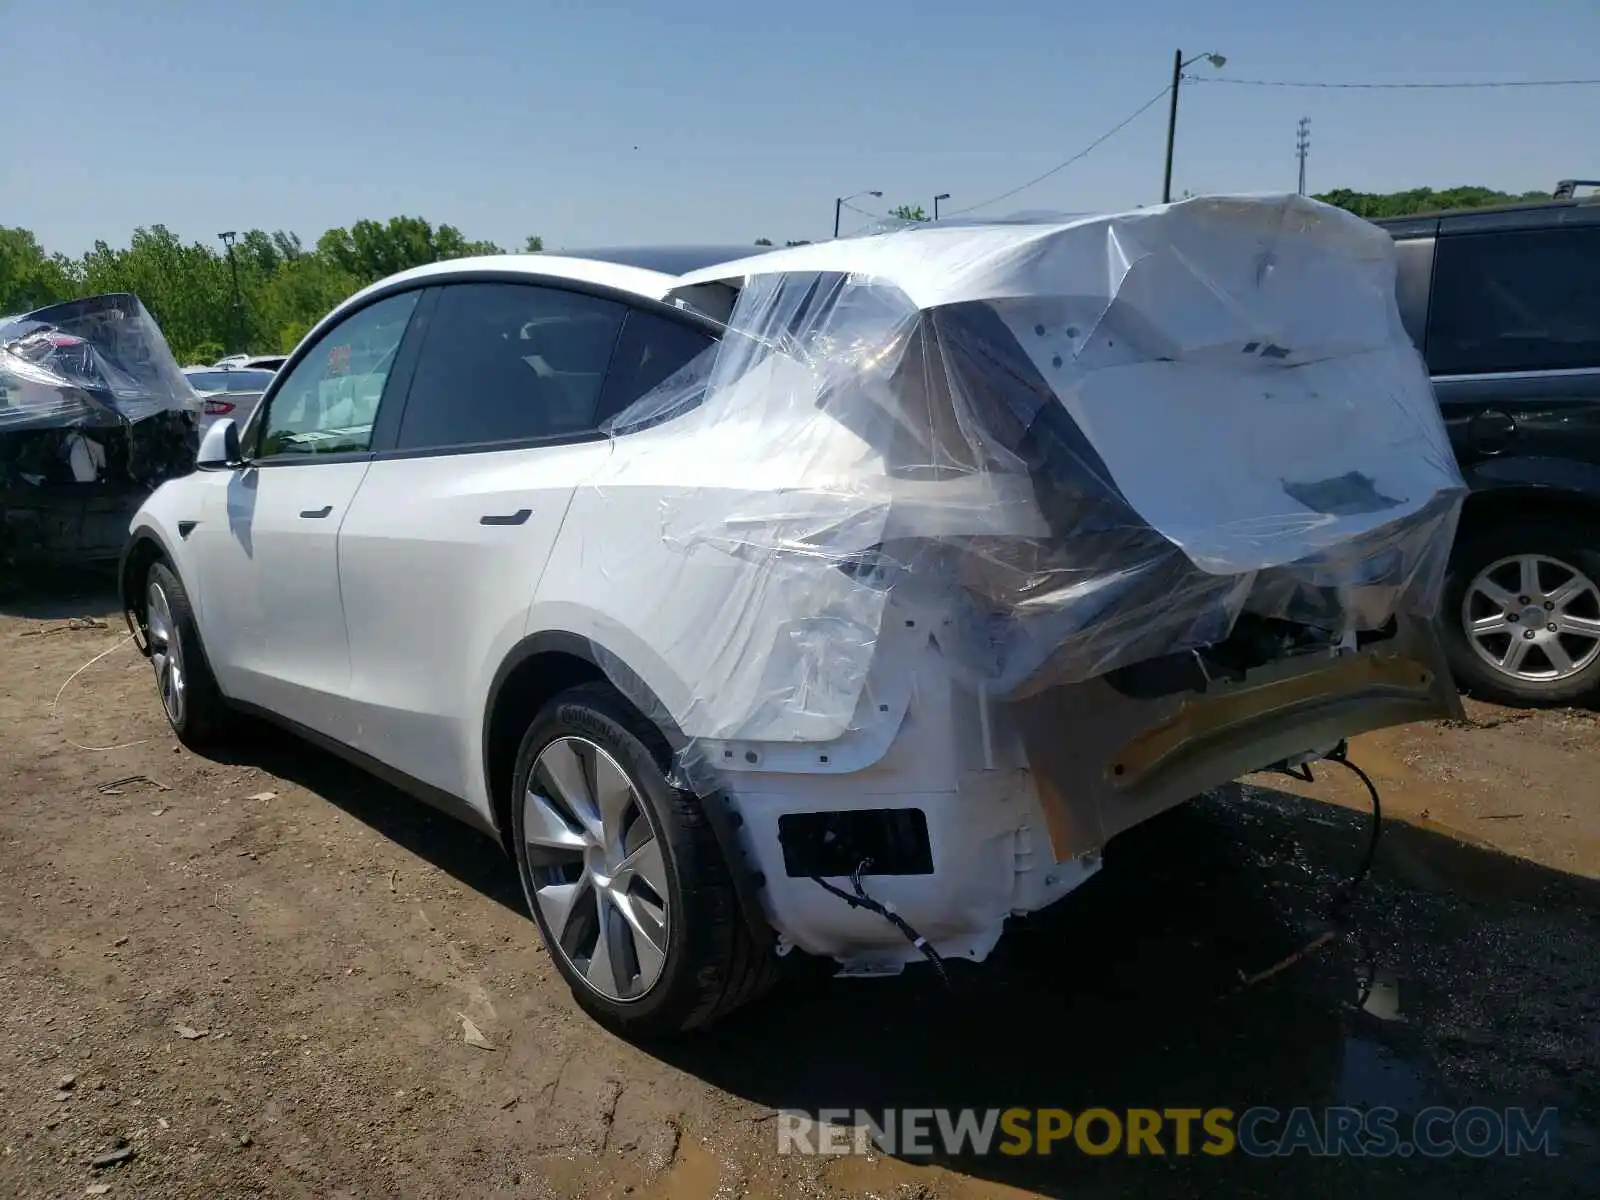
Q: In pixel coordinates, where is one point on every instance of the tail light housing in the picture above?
(218, 408)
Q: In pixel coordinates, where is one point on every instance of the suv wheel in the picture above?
(1522, 611)
(623, 873)
(194, 704)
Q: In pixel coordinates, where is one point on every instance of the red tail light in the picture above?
(218, 408)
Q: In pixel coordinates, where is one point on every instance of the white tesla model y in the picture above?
(846, 598)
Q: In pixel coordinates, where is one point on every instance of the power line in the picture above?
(856, 208)
(1268, 83)
(1470, 83)
(1061, 166)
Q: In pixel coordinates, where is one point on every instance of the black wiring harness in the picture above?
(885, 910)
(1341, 754)
(1347, 891)
(858, 897)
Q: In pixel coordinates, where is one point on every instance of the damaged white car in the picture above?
(849, 597)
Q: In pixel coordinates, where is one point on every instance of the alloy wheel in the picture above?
(1533, 617)
(166, 653)
(598, 874)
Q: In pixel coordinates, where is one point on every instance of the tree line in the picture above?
(284, 287)
(1371, 205)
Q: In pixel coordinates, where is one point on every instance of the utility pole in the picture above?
(238, 307)
(1178, 64)
(936, 199)
(1302, 146)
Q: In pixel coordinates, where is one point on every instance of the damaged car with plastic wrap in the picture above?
(848, 598)
(94, 414)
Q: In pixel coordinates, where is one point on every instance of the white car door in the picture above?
(267, 544)
(442, 549)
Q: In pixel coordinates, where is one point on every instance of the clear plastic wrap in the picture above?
(1068, 446)
(99, 361)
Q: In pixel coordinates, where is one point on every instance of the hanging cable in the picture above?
(887, 912)
(1421, 86)
(863, 212)
(1340, 754)
(1063, 165)
(1347, 892)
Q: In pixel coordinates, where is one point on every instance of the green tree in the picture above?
(288, 245)
(533, 244)
(187, 288)
(284, 287)
(763, 241)
(29, 279)
(370, 251)
(295, 298)
(1374, 205)
(449, 243)
(908, 212)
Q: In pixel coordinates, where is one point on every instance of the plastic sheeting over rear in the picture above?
(99, 361)
(1069, 446)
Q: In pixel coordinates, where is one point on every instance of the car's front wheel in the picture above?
(1522, 611)
(623, 873)
(194, 705)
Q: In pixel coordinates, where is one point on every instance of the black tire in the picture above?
(1568, 540)
(204, 718)
(713, 962)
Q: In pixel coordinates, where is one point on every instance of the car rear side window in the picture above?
(1515, 301)
(509, 362)
(652, 349)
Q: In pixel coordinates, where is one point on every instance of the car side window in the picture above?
(509, 362)
(651, 350)
(329, 401)
(1515, 301)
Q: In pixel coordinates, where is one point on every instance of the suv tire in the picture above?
(623, 873)
(194, 705)
(1487, 583)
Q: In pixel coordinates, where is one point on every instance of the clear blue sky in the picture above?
(619, 121)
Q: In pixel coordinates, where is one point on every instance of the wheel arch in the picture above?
(1489, 506)
(542, 666)
(144, 548)
(1506, 520)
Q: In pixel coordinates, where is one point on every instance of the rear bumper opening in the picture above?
(1105, 756)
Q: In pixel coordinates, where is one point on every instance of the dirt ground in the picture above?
(252, 974)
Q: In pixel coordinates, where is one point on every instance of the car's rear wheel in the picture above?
(1522, 611)
(623, 873)
(189, 695)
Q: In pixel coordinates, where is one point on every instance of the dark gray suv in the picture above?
(1505, 304)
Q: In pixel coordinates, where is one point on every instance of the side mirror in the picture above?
(219, 449)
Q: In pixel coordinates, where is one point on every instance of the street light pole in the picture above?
(936, 199)
(1178, 64)
(839, 203)
(238, 309)
(1172, 124)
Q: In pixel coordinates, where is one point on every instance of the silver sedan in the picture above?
(231, 392)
